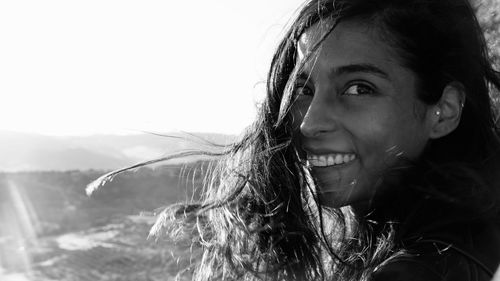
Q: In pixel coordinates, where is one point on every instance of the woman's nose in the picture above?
(318, 120)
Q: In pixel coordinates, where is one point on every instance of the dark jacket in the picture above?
(460, 252)
(445, 239)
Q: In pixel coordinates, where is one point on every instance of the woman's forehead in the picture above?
(349, 42)
(321, 31)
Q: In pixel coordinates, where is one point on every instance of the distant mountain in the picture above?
(31, 152)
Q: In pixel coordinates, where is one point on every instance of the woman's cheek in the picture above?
(373, 137)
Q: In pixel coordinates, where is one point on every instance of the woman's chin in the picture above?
(338, 192)
(334, 198)
(337, 199)
(332, 180)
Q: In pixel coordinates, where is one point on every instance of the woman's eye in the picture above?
(359, 89)
(303, 91)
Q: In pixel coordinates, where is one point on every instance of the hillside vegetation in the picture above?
(50, 230)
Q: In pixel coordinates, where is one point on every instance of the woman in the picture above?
(373, 156)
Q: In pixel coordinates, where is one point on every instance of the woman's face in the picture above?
(358, 111)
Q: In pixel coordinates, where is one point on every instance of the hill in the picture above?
(52, 231)
(31, 152)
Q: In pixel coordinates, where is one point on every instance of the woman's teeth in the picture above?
(329, 159)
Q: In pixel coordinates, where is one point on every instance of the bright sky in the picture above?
(72, 67)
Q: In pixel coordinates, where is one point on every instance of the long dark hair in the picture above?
(259, 216)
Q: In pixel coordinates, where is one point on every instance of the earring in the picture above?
(438, 112)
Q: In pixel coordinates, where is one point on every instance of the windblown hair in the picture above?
(259, 217)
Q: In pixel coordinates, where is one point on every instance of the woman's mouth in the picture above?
(332, 159)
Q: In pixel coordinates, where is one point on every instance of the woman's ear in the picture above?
(448, 110)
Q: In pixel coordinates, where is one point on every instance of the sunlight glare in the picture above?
(18, 235)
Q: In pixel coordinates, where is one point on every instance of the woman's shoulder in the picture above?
(460, 253)
(420, 268)
(432, 264)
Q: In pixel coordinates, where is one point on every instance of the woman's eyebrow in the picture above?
(363, 67)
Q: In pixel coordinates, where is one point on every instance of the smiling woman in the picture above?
(356, 99)
(373, 156)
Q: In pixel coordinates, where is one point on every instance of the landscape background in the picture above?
(56, 76)
(51, 230)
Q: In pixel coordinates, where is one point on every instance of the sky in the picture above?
(72, 67)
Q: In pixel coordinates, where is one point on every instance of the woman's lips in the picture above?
(330, 159)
